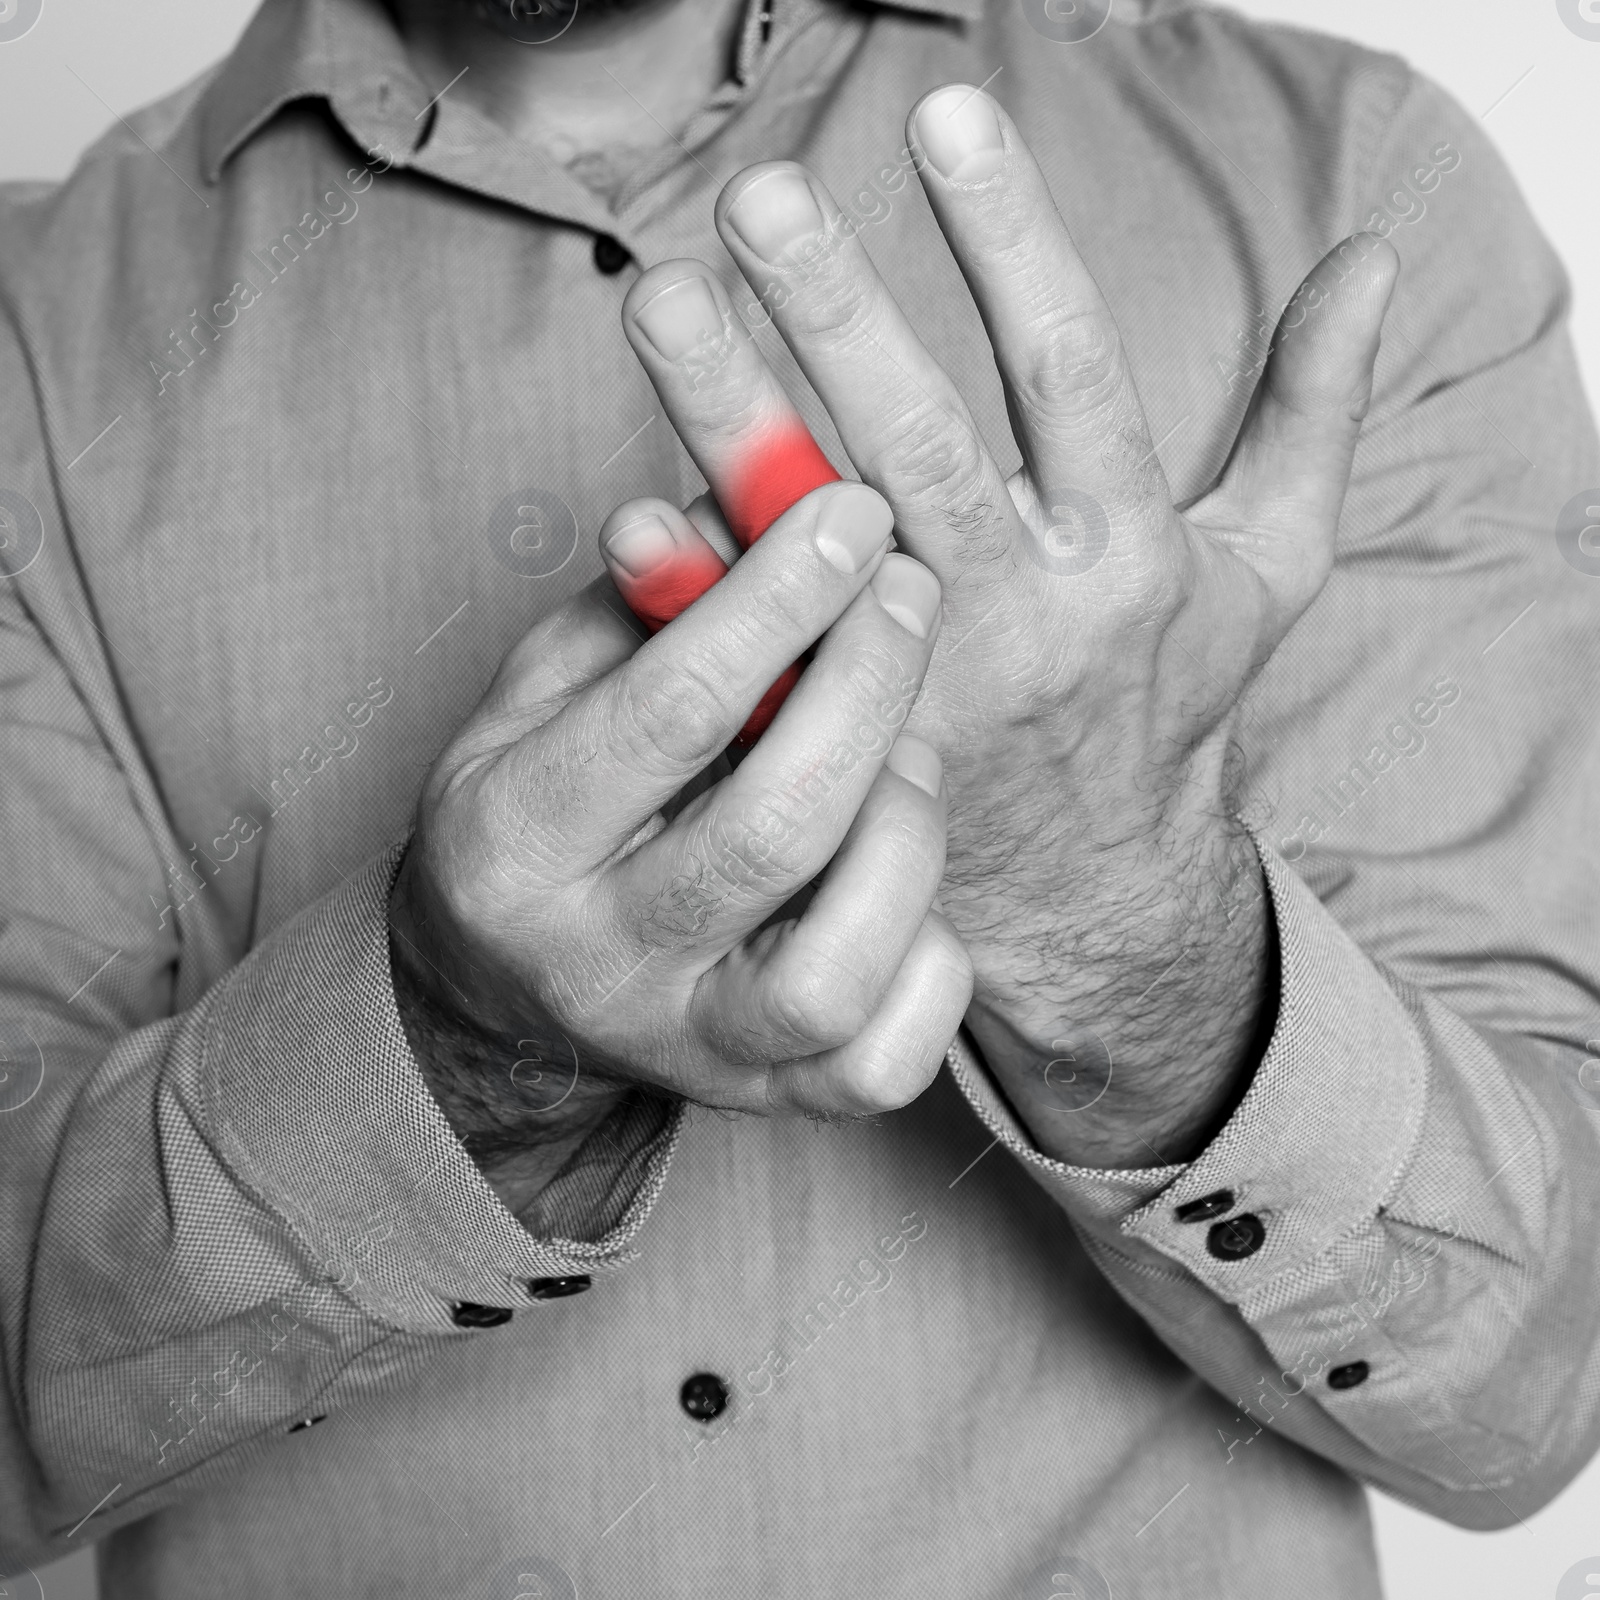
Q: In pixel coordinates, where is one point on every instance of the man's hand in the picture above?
(1096, 640)
(557, 941)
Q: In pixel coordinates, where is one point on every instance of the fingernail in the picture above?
(908, 592)
(640, 546)
(961, 134)
(853, 526)
(917, 762)
(680, 317)
(774, 213)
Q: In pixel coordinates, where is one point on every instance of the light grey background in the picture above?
(1516, 63)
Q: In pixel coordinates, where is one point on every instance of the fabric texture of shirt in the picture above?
(312, 395)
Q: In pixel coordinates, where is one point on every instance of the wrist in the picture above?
(1133, 1050)
(511, 1086)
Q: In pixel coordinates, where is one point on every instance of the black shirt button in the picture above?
(610, 255)
(311, 1422)
(1237, 1238)
(1350, 1377)
(467, 1315)
(1207, 1207)
(556, 1288)
(704, 1396)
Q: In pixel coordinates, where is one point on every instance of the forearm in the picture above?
(517, 1098)
(1406, 1296)
(1132, 1051)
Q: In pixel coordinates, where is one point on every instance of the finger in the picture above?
(815, 982)
(564, 651)
(661, 564)
(1282, 492)
(744, 850)
(704, 512)
(900, 417)
(734, 417)
(631, 741)
(1074, 407)
(899, 1053)
(659, 560)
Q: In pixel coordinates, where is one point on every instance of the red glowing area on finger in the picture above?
(780, 468)
(659, 596)
(767, 709)
(673, 587)
(776, 471)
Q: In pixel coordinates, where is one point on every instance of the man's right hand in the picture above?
(552, 927)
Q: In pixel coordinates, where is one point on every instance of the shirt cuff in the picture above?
(1321, 1139)
(318, 1106)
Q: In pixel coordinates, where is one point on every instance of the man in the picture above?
(343, 1251)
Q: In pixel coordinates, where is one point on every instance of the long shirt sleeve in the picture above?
(1388, 1253)
(228, 1199)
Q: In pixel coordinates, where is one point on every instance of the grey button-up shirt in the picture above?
(311, 398)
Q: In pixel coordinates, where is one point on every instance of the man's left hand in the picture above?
(1096, 640)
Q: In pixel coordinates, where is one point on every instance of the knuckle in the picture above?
(877, 686)
(1164, 587)
(674, 714)
(1077, 364)
(932, 456)
(682, 908)
(825, 298)
(759, 844)
(819, 1006)
(879, 1084)
(786, 601)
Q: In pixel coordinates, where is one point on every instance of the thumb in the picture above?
(1278, 503)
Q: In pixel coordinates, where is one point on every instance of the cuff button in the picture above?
(556, 1288)
(1237, 1238)
(309, 1422)
(467, 1315)
(1349, 1377)
(1207, 1207)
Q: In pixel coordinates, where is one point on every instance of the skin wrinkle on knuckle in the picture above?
(824, 295)
(733, 400)
(837, 297)
(876, 1085)
(674, 715)
(1075, 362)
(805, 1003)
(756, 844)
(935, 463)
(681, 908)
(786, 602)
(523, 822)
(876, 686)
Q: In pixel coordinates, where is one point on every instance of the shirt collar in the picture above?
(349, 53)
